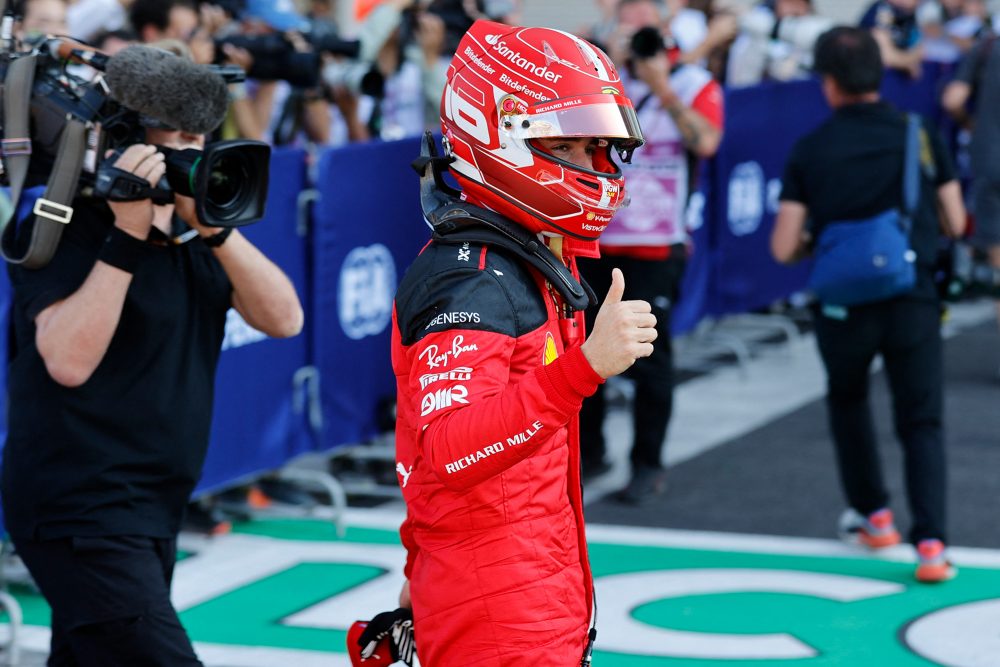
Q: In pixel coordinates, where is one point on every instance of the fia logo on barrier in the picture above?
(694, 215)
(746, 198)
(364, 295)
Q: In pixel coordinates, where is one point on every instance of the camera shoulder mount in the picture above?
(52, 210)
(453, 220)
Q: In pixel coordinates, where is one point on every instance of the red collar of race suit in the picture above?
(578, 248)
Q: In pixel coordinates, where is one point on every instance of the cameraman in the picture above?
(291, 108)
(680, 109)
(111, 379)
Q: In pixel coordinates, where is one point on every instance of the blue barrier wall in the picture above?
(690, 307)
(762, 125)
(367, 229)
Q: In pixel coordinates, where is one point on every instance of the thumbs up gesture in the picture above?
(623, 331)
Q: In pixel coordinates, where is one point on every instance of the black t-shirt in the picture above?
(851, 168)
(120, 454)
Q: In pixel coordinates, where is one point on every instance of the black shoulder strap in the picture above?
(911, 169)
(911, 164)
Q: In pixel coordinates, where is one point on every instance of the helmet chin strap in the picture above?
(457, 221)
(555, 244)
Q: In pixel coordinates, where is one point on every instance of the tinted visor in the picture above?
(602, 115)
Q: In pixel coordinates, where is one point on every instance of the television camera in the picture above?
(63, 128)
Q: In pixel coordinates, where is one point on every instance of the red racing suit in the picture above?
(490, 380)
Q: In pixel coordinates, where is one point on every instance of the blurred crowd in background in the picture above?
(314, 82)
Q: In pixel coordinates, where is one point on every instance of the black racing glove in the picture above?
(398, 626)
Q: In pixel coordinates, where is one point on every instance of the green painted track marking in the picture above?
(254, 614)
(670, 586)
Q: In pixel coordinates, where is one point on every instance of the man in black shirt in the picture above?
(111, 380)
(851, 168)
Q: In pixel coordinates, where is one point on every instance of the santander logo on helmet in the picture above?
(515, 57)
(507, 87)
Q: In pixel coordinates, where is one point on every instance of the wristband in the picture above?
(123, 251)
(215, 240)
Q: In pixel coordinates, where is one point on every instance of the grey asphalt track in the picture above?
(780, 479)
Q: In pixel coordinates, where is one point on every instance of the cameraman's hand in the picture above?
(202, 47)
(234, 55)
(618, 45)
(298, 41)
(213, 18)
(623, 332)
(654, 72)
(723, 28)
(136, 217)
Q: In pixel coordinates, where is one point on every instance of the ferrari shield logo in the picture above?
(550, 353)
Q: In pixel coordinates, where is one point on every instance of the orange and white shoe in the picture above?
(875, 531)
(933, 565)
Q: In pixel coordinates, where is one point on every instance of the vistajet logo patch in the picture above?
(516, 59)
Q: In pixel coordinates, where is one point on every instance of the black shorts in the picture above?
(110, 599)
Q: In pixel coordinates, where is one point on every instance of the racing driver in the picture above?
(489, 353)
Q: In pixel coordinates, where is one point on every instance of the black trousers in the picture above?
(110, 600)
(906, 333)
(658, 282)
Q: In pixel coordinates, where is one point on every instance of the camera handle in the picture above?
(52, 210)
(116, 184)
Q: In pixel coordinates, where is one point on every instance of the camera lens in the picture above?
(227, 178)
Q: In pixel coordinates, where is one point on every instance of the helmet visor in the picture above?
(608, 116)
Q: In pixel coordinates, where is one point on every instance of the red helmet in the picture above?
(508, 86)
